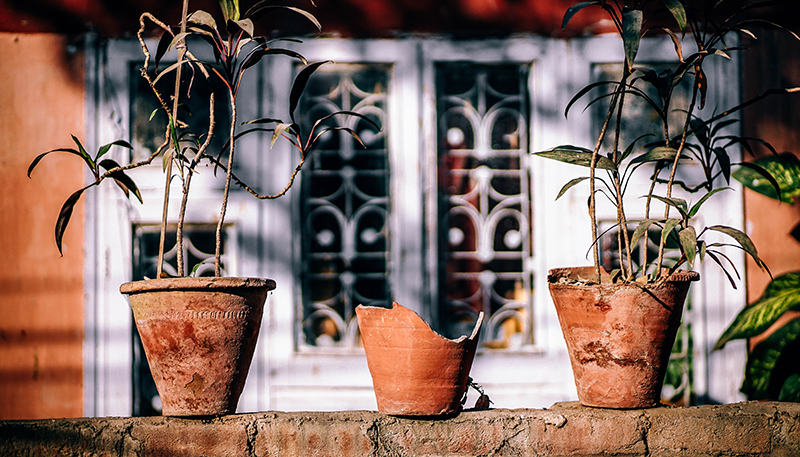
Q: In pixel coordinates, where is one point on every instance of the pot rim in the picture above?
(475, 330)
(199, 283)
(555, 273)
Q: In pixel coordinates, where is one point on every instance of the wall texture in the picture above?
(41, 294)
(745, 429)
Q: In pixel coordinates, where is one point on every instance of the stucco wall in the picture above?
(41, 294)
(745, 429)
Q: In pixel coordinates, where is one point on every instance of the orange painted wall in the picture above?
(774, 64)
(41, 294)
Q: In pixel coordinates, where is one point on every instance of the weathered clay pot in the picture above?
(619, 336)
(415, 371)
(199, 335)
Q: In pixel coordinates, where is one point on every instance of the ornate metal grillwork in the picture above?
(484, 201)
(345, 206)
(198, 246)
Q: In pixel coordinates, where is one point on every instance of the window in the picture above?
(443, 210)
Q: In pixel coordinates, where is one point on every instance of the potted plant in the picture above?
(772, 323)
(198, 333)
(416, 371)
(620, 325)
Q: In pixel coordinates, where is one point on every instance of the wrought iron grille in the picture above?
(198, 247)
(345, 205)
(484, 201)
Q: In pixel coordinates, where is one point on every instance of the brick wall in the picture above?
(743, 429)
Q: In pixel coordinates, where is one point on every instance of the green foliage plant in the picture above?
(236, 49)
(661, 153)
(773, 321)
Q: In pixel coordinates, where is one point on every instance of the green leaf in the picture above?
(744, 241)
(631, 33)
(577, 156)
(656, 154)
(669, 226)
(586, 90)
(677, 203)
(784, 169)
(688, 238)
(574, 9)
(641, 229)
(106, 147)
(781, 295)
(245, 25)
(696, 207)
(762, 363)
(790, 391)
(230, 10)
(255, 56)
(84, 154)
(202, 18)
(572, 183)
(678, 12)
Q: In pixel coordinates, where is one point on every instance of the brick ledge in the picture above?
(741, 429)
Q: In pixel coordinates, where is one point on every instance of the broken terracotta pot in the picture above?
(415, 371)
(619, 336)
(199, 335)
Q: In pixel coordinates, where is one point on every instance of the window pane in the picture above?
(344, 204)
(484, 202)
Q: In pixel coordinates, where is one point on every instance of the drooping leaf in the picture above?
(688, 238)
(696, 207)
(123, 181)
(201, 17)
(641, 229)
(762, 363)
(299, 85)
(677, 203)
(244, 25)
(577, 156)
(669, 226)
(279, 129)
(255, 56)
(724, 163)
(744, 241)
(656, 154)
(678, 12)
(163, 45)
(65, 214)
(776, 177)
(42, 156)
(572, 183)
(574, 9)
(781, 295)
(631, 33)
(586, 90)
(260, 8)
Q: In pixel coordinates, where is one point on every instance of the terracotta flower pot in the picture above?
(415, 371)
(619, 336)
(199, 335)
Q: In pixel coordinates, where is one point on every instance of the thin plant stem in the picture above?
(228, 174)
(168, 179)
(188, 179)
(673, 171)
